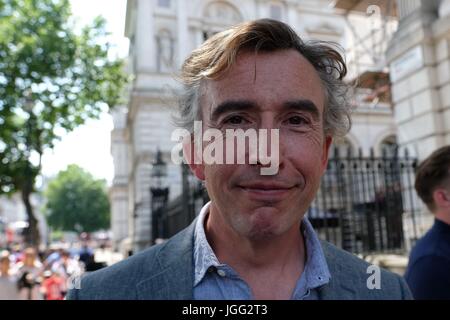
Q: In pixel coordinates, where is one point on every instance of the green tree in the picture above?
(77, 202)
(52, 79)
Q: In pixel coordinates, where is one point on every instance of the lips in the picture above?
(266, 191)
(266, 186)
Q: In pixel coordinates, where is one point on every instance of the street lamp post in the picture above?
(159, 195)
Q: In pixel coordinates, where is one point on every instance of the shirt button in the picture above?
(221, 273)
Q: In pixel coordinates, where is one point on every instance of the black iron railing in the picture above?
(364, 204)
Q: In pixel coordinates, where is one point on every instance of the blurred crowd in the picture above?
(27, 274)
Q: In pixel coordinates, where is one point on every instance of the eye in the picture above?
(235, 120)
(297, 120)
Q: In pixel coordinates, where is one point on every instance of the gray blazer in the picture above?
(166, 271)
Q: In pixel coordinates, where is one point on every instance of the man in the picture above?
(428, 272)
(66, 266)
(252, 240)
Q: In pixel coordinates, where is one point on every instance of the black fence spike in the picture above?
(349, 152)
(336, 152)
(360, 152)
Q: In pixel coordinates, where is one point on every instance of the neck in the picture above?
(278, 260)
(240, 252)
(443, 216)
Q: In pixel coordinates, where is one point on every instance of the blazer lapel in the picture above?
(174, 277)
(341, 285)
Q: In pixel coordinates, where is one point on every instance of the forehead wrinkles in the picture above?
(250, 67)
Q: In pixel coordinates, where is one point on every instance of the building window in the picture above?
(164, 3)
(223, 13)
(165, 53)
(276, 11)
(342, 147)
(218, 16)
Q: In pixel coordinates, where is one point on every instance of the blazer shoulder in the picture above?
(123, 279)
(119, 280)
(366, 280)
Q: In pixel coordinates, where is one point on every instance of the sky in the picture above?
(89, 145)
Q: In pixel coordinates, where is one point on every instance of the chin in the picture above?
(261, 234)
(263, 225)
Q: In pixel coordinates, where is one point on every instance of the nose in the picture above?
(270, 143)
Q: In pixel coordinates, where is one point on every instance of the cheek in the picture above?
(218, 177)
(306, 147)
(307, 158)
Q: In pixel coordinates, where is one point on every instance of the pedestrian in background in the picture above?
(428, 272)
(53, 286)
(8, 286)
(29, 275)
(66, 266)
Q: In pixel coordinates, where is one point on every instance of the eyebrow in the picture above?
(305, 105)
(232, 105)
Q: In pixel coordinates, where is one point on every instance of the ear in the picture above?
(326, 150)
(192, 156)
(441, 198)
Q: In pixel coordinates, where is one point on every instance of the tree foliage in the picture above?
(77, 202)
(52, 79)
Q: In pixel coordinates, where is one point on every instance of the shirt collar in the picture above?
(316, 270)
(204, 256)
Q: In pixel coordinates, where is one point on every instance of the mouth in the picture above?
(266, 191)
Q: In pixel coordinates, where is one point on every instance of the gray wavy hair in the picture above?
(218, 54)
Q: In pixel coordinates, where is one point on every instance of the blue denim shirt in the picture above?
(217, 281)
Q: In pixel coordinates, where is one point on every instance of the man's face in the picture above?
(277, 90)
